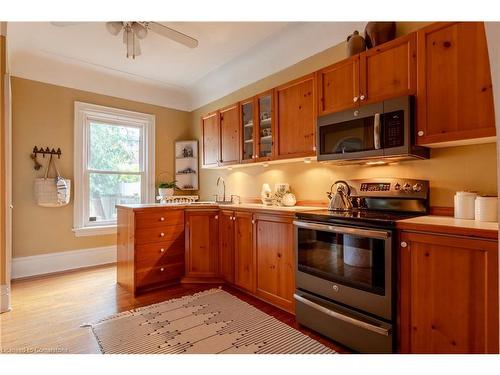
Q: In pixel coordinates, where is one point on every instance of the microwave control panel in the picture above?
(393, 129)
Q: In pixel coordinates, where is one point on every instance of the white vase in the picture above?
(164, 192)
(265, 194)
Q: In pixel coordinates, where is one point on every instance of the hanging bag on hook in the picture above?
(50, 191)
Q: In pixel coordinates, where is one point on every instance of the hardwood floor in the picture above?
(48, 311)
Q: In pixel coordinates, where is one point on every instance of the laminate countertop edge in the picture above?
(238, 207)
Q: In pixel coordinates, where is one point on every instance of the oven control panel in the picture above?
(390, 187)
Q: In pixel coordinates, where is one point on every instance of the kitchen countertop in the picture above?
(450, 225)
(204, 205)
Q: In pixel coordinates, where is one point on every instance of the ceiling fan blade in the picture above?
(176, 36)
(64, 24)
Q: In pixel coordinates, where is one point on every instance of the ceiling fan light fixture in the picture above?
(114, 27)
(139, 29)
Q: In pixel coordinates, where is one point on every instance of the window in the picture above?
(114, 164)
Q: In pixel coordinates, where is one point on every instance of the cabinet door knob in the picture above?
(216, 217)
(404, 244)
(162, 218)
(162, 234)
(253, 221)
(162, 269)
(362, 97)
(355, 99)
(162, 250)
(420, 133)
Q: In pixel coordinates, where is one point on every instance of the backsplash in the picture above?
(448, 170)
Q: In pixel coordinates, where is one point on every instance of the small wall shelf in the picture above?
(186, 165)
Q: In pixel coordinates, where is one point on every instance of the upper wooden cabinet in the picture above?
(454, 96)
(389, 70)
(275, 259)
(383, 72)
(229, 135)
(448, 294)
(295, 114)
(257, 128)
(338, 86)
(202, 245)
(210, 139)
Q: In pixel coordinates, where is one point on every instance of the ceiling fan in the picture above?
(133, 31)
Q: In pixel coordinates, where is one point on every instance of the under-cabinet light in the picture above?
(378, 162)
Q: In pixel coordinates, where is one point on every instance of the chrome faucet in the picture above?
(223, 190)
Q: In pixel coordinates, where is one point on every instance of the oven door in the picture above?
(348, 265)
(351, 134)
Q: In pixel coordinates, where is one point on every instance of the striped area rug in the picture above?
(209, 322)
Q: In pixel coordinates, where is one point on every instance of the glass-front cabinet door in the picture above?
(265, 129)
(248, 131)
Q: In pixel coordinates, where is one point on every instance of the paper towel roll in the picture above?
(486, 209)
(464, 205)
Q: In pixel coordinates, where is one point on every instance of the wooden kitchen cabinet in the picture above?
(383, 72)
(454, 90)
(202, 245)
(257, 128)
(274, 244)
(150, 248)
(448, 294)
(210, 139)
(229, 135)
(389, 70)
(295, 128)
(338, 86)
(226, 245)
(244, 255)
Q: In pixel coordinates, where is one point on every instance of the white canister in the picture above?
(486, 209)
(265, 194)
(464, 205)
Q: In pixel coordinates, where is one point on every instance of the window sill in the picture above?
(95, 231)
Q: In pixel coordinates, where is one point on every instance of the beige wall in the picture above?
(448, 170)
(451, 169)
(43, 116)
(3, 248)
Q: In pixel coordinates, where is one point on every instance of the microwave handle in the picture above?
(376, 132)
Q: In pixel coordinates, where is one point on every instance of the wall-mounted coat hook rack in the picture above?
(44, 151)
(47, 151)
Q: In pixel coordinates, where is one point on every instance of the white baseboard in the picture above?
(4, 298)
(63, 261)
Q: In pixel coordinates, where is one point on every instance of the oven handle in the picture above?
(356, 322)
(376, 132)
(343, 230)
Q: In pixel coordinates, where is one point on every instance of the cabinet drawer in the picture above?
(159, 218)
(158, 275)
(159, 234)
(159, 254)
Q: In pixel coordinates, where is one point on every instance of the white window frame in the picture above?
(86, 113)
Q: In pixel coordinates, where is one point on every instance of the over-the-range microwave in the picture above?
(373, 133)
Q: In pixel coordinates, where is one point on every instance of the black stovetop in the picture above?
(357, 217)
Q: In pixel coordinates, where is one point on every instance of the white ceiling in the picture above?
(229, 56)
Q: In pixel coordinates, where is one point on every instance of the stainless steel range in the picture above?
(346, 261)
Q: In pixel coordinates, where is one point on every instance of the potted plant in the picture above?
(166, 189)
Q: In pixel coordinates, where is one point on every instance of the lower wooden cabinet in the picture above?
(448, 294)
(202, 246)
(275, 259)
(226, 245)
(150, 247)
(244, 257)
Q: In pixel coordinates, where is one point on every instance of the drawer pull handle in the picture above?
(162, 250)
(162, 234)
(162, 269)
(162, 218)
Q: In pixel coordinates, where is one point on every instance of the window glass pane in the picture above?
(114, 148)
(106, 190)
